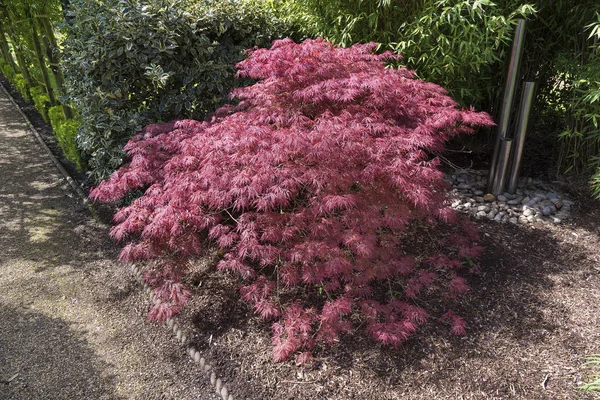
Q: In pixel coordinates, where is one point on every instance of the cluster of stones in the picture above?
(194, 354)
(533, 201)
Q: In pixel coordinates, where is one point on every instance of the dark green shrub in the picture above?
(129, 63)
(580, 140)
(575, 96)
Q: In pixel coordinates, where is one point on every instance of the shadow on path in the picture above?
(47, 360)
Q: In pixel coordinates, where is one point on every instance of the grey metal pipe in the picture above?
(509, 93)
(519, 139)
(499, 179)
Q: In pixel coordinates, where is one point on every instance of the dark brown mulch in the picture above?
(533, 314)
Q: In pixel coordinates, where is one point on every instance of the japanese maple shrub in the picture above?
(306, 186)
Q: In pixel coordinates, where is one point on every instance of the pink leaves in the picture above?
(311, 180)
(393, 333)
(458, 325)
(332, 203)
(293, 333)
(458, 285)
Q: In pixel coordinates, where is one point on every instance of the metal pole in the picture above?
(499, 179)
(519, 140)
(509, 92)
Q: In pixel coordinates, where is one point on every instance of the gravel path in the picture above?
(72, 320)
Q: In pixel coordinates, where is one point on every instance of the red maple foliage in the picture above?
(306, 183)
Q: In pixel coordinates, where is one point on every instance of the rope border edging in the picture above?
(181, 337)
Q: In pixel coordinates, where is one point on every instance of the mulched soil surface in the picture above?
(533, 314)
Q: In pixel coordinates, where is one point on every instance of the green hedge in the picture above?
(129, 63)
(65, 131)
(7, 71)
(16, 79)
(40, 101)
(21, 85)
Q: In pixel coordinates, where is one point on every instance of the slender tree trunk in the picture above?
(40, 57)
(24, 71)
(49, 40)
(6, 51)
(22, 63)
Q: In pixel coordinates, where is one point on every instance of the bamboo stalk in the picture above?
(40, 57)
(51, 45)
(6, 50)
(22, 63)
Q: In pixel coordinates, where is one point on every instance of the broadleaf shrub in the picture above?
(307, 186)
(130, 63)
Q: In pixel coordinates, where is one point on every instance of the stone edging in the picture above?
(55, 161)
(194, 354)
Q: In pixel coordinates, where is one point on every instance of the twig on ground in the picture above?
(9, 380)
(545, 381)
(452, 165)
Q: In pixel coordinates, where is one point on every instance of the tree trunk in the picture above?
(40, 57)
(51, 46)
(22, 64)
(6, 51)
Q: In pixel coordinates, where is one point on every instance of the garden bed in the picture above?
(533, 313)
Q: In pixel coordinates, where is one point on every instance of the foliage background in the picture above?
(130, 62)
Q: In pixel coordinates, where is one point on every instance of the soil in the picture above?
(533, 314)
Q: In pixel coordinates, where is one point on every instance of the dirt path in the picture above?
(72, 324)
